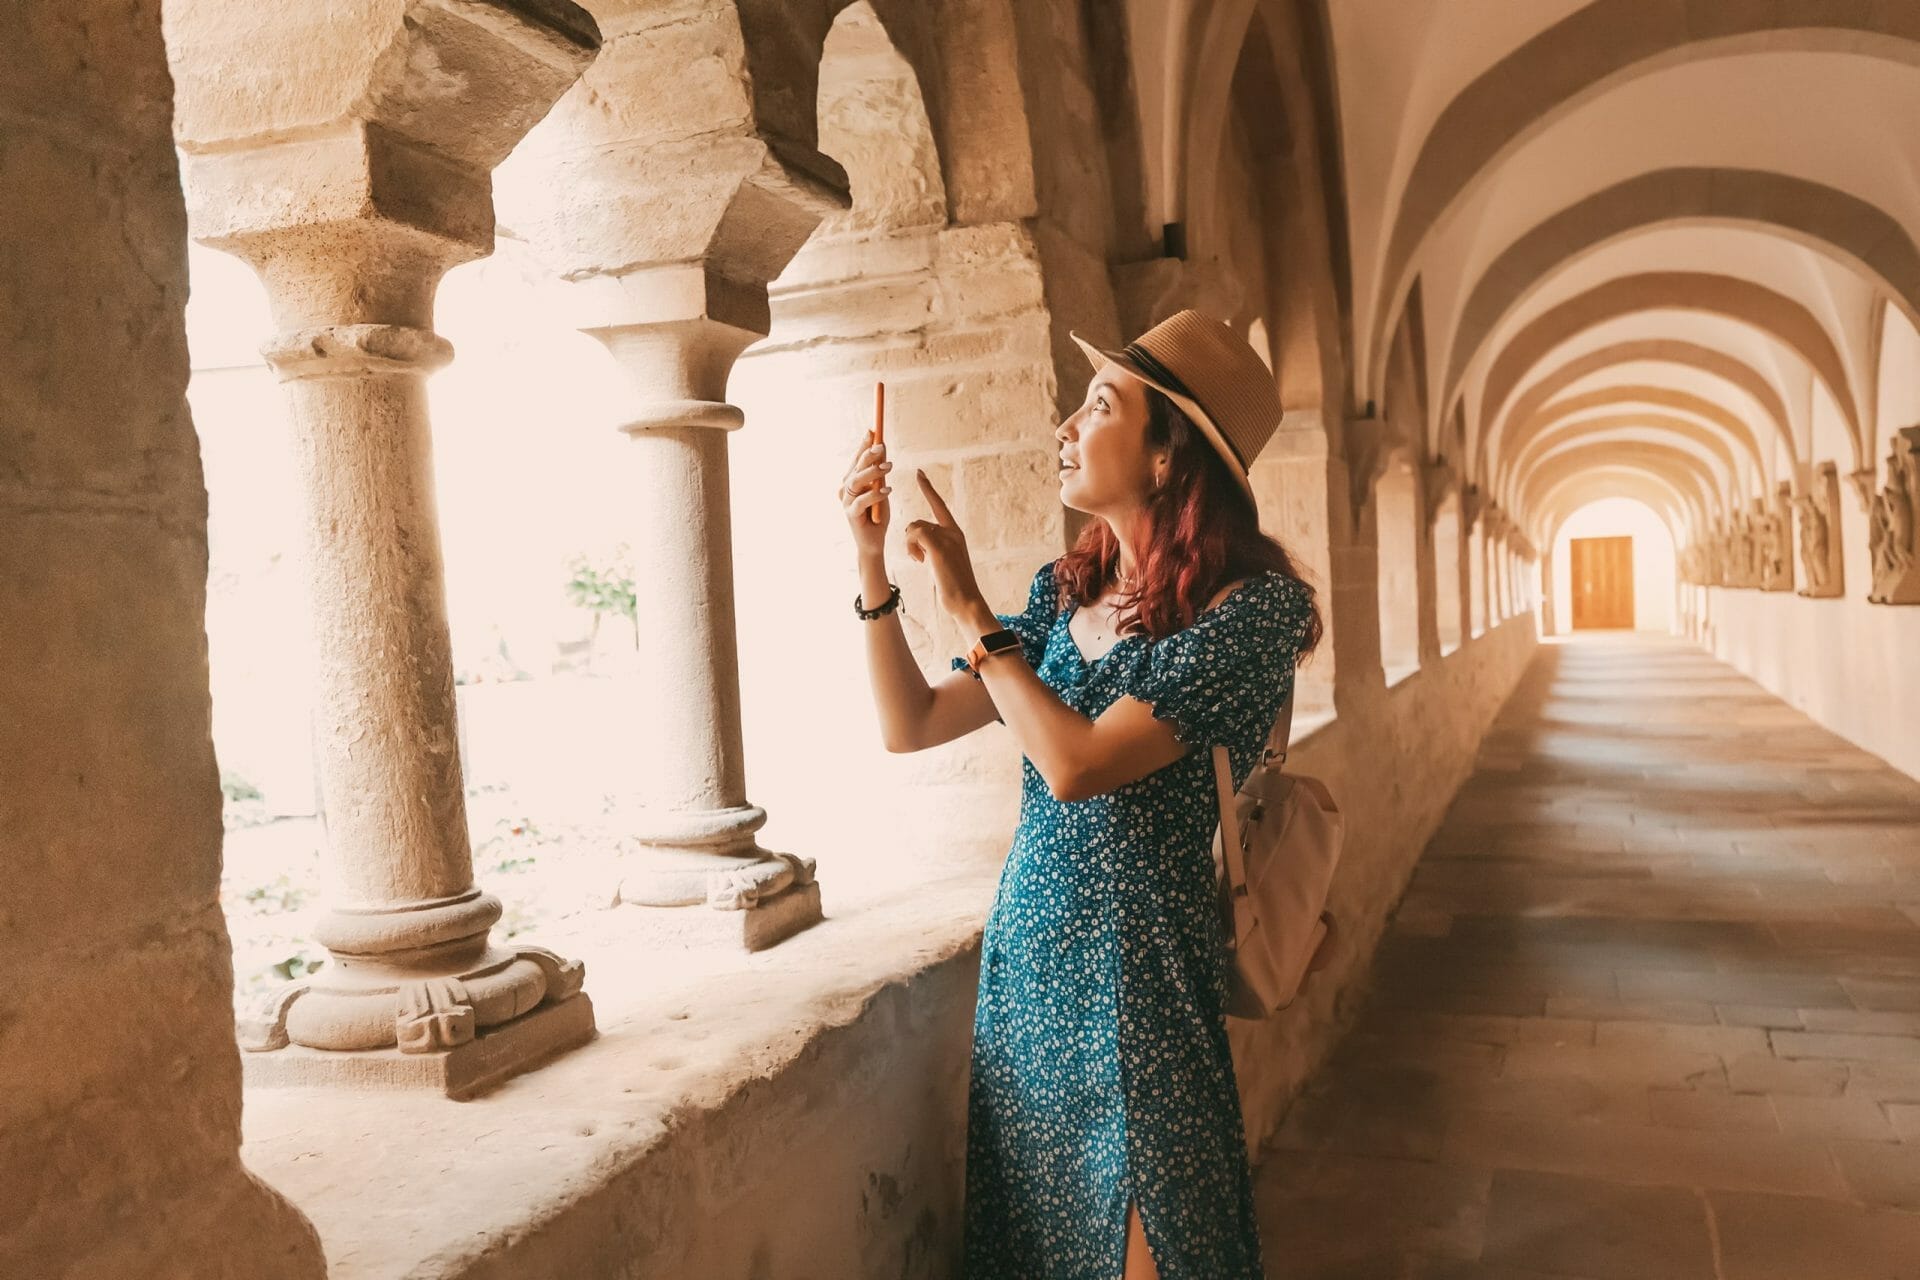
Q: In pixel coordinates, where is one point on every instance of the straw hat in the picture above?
(1215, 378)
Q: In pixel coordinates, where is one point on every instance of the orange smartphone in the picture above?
(879, 426)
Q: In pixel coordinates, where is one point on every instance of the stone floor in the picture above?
(1649, 1009)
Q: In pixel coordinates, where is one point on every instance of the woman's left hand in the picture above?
(940, 543)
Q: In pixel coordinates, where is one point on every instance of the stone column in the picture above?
(1500, 575)
(669, 222)
(1355, 553)
(1473, 507)
(350, 222)
(1291, 478)
(1492, 522)
(688, 827)
(1436, 480)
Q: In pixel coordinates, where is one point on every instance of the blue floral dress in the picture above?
(1100, 1069)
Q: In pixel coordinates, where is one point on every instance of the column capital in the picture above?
(679, 155)
(464, 79)
(1473, 502)
(675, 354)
(1438, 479)
(1365, 446)
(355, 350)
(348, 157)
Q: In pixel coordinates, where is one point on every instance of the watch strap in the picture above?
(1001, 641)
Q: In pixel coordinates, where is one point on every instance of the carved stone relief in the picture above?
(1774, 520)
(1692, 566)
(1822, 563)
(1742, 554)
(1892, 549)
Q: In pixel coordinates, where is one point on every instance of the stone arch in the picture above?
(1309, 322)
(1593, 50)
(1407, 364)
(974, 104)
(1852, 231)
(1752, 304)
(1657, 552)
(1642, 487)
(874, 122)
(1556, 441)
(1682, 470)
(1682, 402)
(1714, 363)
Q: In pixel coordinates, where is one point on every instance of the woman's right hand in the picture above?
(864, 486)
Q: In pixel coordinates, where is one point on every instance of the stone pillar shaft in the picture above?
(690, 701)
(390, 774)
(686, 804)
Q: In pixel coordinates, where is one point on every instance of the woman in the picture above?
(1104, 1133)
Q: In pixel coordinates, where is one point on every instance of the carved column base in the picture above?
(491, 1057)
(421, 982)
(747, 898)
(769, 920)
(699, 878)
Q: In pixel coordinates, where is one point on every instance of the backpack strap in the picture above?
(1282, 736)
(1231, 854)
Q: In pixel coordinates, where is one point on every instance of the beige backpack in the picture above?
(1277, 845)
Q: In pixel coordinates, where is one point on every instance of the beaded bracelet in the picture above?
(887, 606)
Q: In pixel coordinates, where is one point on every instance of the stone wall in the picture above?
(963, 312)
(1848, 664)
(120, 1120)
(1393, 762)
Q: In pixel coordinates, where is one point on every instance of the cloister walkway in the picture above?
(1650, 1007)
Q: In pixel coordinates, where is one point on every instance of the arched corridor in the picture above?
(453, 826)
(1650, 1005)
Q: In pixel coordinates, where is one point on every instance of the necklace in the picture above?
(1106, 616)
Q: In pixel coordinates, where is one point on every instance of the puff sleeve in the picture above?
(1230, 669)
(1033, 624)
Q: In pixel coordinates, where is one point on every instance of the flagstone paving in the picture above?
(1648, 1010)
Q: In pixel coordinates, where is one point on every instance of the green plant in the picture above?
(298, 965)
(281, 895)
(604, 588)
(234, 787)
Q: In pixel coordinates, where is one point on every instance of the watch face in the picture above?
(995, 641)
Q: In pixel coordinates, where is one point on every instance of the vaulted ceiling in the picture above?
(1661, 241)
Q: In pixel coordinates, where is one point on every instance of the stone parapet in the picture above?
(734, 1119)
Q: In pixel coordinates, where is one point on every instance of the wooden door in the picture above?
(1602, 571)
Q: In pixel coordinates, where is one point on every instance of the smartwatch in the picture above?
(993, 642)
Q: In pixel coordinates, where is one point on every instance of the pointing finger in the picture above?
(939, 504)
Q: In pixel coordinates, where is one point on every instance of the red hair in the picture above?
(1202, 532)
